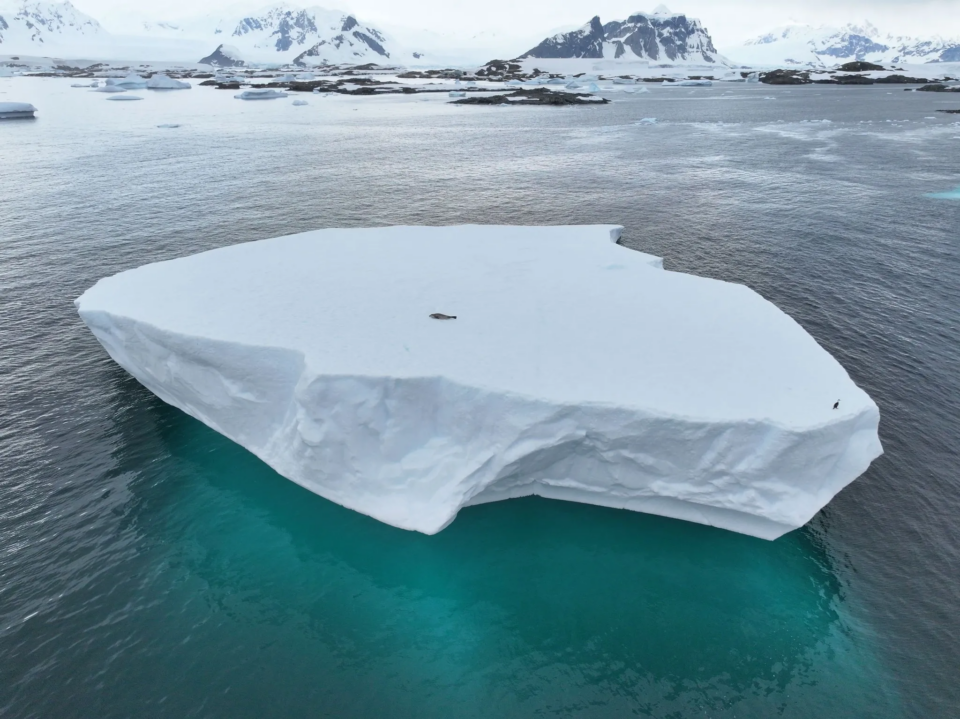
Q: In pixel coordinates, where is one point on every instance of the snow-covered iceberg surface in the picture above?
(17, 111)
(165, 82)
(574, 369)
(261, 94)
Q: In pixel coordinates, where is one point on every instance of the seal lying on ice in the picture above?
(441, 316)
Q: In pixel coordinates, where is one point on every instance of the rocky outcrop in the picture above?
(538, 96)
(223, 56)
(785, 77)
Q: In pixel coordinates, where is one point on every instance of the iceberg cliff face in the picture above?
(575, 369)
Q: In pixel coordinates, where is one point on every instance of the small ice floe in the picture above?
(624, 81)
(164, 82)
(109, 88)
(573, 85)
(124, 97)
(300, 103)
(514, 82)
(753, 77)
(266, 93)
(88, 85)
(593, 87)
(131, 82)
(642, 89)
(556, 81)
(168, 126)
(17, 111)
(688, 83)
(646, 121)
(457, 93)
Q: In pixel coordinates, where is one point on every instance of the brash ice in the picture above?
(576, 369)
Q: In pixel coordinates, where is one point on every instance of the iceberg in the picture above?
(267, 93)
(17, 111)
(130, 82)
(407, 372)
(165, 82)
(124, 97)
(300, 103)
(109, 89)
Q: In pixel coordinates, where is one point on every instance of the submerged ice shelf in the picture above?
(575, 369)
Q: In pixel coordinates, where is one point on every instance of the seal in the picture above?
(441, 316)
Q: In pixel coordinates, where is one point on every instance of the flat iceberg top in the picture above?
(559, 314)
(17, 107)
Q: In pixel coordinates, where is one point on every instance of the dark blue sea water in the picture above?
(151, 568)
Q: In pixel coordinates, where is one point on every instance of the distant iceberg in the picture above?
(164, 82)
(130, 82)
(687, 83)
(260, 94)
(124, 97)
(109, 89)
(17, 111)
(408, 372)
(300, 103)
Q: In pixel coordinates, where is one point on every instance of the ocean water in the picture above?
(151, 568)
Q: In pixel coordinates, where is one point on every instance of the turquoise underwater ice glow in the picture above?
(953, 194)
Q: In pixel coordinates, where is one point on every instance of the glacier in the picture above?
(575, 369)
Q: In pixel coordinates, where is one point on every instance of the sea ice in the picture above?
(109, 89)
(16, 111)
(646, 121)
(164, 82)
(267, 93)
(456, 93)
(124, 97)
(574, 369)
(300, 103)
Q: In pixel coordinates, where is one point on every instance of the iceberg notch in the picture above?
(575, 369)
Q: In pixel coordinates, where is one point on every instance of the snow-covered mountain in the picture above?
(807, 46)
(660, 37)
(313, 36)
(36, 27)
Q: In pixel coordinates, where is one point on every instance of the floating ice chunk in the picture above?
(642, 89)
(300, 103)
(86, 84)
(168, 126)
(164, 82)
(647, 121)
(593, 87)
(130, 82)
(573, 85)
(17, 111)
(124, 97)
(318, 353)
(267, 93)
(624, 81)
(753, 77)
(457, 93)
(688, 83)
(109, 88)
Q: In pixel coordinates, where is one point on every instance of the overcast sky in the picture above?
(728, 22)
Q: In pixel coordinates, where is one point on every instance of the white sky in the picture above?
(729, 23)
